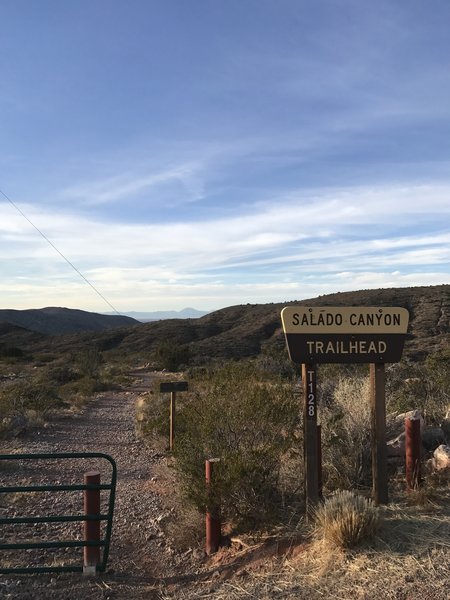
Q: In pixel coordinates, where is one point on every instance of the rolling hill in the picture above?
(60, 321)
(244, 330)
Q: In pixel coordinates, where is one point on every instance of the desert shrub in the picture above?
(83, 387)
(46, 357)
(346, 519)
(152, 415)
(405, 387)
(89, 362)
(274, 359)
(171, 355)
(23, 396)
(90, 375)
(26, 403)
(437, 375)
(10, 351)
(346, 425)
(438, 365)
(61, 374)
(249, 424)
(423, 386)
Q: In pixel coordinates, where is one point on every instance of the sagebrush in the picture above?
(249, 424)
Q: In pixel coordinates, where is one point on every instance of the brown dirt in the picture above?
(150, 559)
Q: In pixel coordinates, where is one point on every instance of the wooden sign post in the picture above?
(379, 453)
(173, 387)
(350, 334)
(311, 447)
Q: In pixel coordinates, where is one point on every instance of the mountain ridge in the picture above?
(60, 321)
(247, 330)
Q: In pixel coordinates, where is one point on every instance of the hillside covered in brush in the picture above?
(247, 330)
(60, 321)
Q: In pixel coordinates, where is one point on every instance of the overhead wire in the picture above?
(42, 234)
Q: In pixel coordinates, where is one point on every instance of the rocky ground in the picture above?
(408, 561)
(142, 562)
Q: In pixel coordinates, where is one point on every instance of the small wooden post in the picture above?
(309, 377)
(173, 387)
(173, 397)
(213, 525)
(91, 554)
(412, 452)
(379, 453)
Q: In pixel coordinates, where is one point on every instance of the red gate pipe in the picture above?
(213, 525)
(91, 528)
(413, 444)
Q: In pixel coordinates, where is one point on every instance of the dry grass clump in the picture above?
(346, 519)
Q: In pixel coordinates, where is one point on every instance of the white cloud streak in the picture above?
(300, 244)
(121, 187)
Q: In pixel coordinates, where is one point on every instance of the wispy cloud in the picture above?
(128, 185)
(301, 244)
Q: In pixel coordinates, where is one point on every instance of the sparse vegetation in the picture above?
(57, 383)
(172, 356)
(423, 385)
(247, 415)
(24, 403)
(248, 423)
(345, 419)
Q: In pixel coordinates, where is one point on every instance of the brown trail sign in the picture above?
(374, 335)
(344, 334)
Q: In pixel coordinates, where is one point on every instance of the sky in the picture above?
(207, 153)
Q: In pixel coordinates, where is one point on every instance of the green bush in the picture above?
(10, 352)
(89, 362)
(24, 403)
(83, 387)
(423, 386)
(274, 359)
(23, 396)
(61, 374)
(171, 356)
(249, 424)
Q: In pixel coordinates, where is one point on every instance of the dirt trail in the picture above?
(138, 547)
(143, 565)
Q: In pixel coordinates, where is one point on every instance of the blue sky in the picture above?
(215, 152)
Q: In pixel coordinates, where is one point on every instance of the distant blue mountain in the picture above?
(186, 313)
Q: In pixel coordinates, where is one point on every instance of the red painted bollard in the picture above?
(213, 525)
(91, 527)
(413, 444)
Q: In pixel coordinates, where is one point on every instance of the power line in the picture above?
(59, 252)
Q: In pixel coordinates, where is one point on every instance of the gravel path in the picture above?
(142, 563)
(140, 556)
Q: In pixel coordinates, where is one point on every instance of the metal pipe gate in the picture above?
(104, 543)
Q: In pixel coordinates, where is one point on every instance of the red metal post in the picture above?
(213, 525)
(412, 450)
(91, 528)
